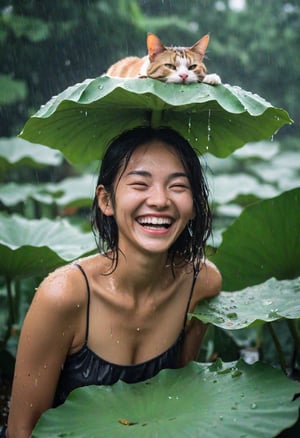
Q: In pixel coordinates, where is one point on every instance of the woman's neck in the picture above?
(141, 274)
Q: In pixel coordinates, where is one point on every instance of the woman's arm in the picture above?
(208, 284)
(45, 340)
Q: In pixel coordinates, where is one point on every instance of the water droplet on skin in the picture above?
(45, 366)
(78, 305)
(31, 405)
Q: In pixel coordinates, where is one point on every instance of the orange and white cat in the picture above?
(182, 65)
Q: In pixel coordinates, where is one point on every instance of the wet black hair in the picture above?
(190, 245)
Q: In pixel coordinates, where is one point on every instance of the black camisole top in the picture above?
(85, 367)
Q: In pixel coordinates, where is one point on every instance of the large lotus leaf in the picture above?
(227, 188)
(254, 305)
(12, 193)
(77, 191)
(18, 152)
(263, 242)
(34, 247)
(264, 150)
(285, 173)
(197, 401)
(84, 118)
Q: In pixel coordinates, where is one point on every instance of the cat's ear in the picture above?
(201, 45)
(154, 46)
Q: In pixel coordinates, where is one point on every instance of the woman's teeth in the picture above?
(155, 222)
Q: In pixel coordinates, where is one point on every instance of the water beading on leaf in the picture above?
(254, 305)
(198, 400)
(82, 120)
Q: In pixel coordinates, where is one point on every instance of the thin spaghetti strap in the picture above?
(88, 301)
(196, 272)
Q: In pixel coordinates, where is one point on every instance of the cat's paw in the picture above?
(212, 79)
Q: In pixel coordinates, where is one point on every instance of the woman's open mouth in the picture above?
(155, 222)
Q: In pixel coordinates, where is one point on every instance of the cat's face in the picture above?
(176, 64)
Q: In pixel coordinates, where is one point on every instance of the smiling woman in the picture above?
(122, 314)
(178, 163)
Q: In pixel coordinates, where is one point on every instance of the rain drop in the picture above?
(209, 126)
(189, 124)
(253, 406)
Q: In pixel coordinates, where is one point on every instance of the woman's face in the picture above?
(153, 200)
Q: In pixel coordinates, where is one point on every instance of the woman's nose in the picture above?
(158, 197)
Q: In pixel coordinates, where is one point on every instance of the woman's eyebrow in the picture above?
(149, 174)
(140, 173)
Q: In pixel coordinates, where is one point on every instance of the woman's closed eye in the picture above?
(179, 186)
(138, 185)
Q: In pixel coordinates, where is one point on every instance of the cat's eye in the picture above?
(192, 67)
(171, 66)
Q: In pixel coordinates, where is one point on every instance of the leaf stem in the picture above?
(10, 301)
(294, 332)
(280, 353)
(156, 117)
(11, 313)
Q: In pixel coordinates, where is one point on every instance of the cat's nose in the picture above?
(183, 76)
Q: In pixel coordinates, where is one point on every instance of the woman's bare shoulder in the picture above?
(63, 289)
(209, 281)
(66, 286)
